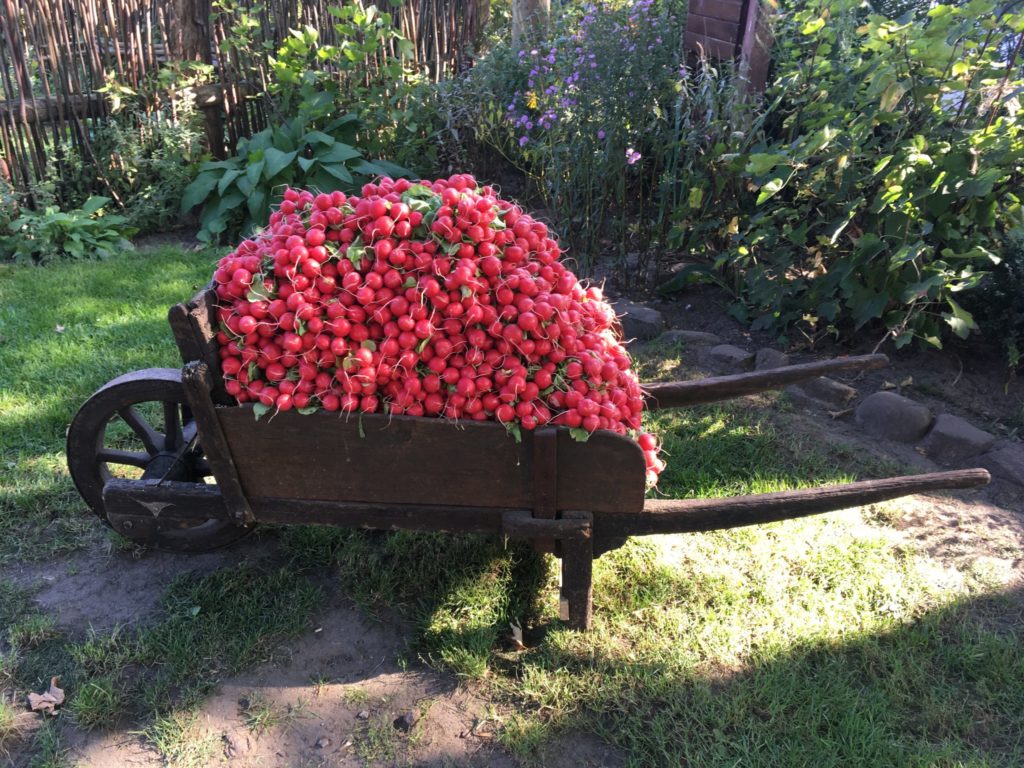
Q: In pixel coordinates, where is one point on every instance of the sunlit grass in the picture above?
(65, 330)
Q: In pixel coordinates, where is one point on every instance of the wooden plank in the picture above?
(165, 500)
(380, 517)
(545, 480)
(195, 377)
(517, 524)
(202, 313)
(706, 26)
(678, 394)
(577, 572)
(378, 458)
(727, 10)
(692, 515)
(184, 335)
(708, 46)
(756, 47)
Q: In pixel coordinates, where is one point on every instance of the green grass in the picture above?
(827, 641)
(112, 317)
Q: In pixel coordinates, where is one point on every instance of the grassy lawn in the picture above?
(827, 641)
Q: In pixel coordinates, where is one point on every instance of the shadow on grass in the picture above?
(943, 689)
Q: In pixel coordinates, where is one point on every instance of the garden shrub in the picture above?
(998, 303)
(38, 237)
(237, 193)
(597, 117)
(144, 157)
(887, 172)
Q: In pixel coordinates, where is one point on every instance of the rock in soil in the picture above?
(953, 440)
(770, 358)
(406, 722)
(638, 321)
(1005, 461)
(363, 715)
(728, 356)
(893, 417)
(696, 338)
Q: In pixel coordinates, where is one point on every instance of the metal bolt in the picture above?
(127, 525)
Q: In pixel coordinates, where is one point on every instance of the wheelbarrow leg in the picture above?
(576, 600)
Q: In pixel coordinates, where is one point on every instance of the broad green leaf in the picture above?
(338, 171)
(276, 161)
(196, 192)
(254, 171)
(770, 189)
(94, 204)
(960, 320)
(339, 153)
(305, 163)
(226, 179)
(318, 137)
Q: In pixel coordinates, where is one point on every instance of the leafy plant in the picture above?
(998, 304)
(593, 117)
(38, 237)
(236, 194)
(881, 176)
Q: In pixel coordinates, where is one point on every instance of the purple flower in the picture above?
(523, 141)
(631, 156)
(600, 134)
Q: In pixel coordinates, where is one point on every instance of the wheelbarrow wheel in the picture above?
(138, 426)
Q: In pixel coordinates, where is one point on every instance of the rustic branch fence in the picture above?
(56, 56)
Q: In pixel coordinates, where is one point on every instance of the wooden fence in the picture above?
(57, 55)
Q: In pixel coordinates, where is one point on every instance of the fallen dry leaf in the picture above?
(48, 702)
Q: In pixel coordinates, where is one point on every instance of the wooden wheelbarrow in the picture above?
(142, 449)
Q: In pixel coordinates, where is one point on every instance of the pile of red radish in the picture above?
(425, 299)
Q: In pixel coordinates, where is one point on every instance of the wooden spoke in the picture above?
(131, 458)
(172, 426)
(152, 439)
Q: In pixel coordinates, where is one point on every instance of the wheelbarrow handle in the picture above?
(678, 394)
(691, 515)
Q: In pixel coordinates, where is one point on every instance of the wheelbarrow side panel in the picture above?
(405, 460)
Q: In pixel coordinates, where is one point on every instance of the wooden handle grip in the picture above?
(678, 394)
(690, 515)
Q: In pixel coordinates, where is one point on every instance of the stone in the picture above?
(952, 440)
(893, 417)
(406, 722)
(696, 338)
(770, 358)
(829, 391)
(638, 321)
(363, 715)
(1005, 461)
(323, 742)
(732, 357)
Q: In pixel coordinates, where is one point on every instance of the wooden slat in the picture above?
(706, 26)
(407, 460)
(195, 378)
(708, 46)
(728, 10)
(545, 480)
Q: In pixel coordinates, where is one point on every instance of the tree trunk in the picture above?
(529, 21)
(189, 40)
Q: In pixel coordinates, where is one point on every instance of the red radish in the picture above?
(424, 299)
